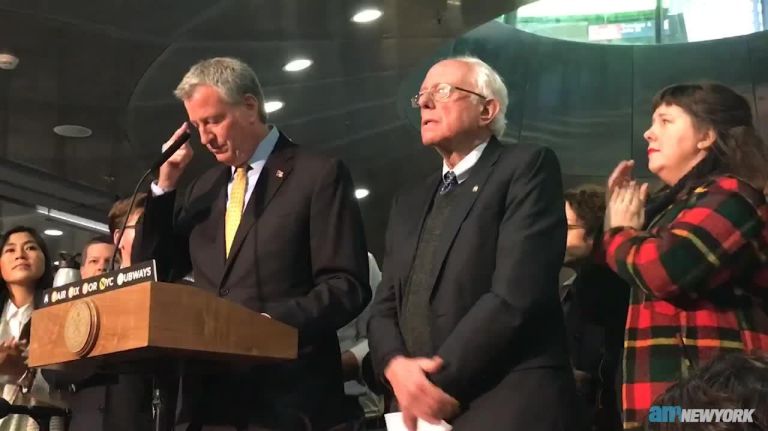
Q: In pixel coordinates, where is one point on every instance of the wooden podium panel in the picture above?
(151, 319)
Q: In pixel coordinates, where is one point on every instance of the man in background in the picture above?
(594, 302)
(117, 216)
(96, 255)
(355, 359)
(109, 402)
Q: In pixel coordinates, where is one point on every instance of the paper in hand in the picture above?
(395, 422)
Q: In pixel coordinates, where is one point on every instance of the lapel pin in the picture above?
(279, 173)
(475, 189)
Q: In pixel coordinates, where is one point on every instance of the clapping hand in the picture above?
(626, 206)
(12, 361)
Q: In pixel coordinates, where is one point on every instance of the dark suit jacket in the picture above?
(495, 314)
(595, 309)
(299, 255)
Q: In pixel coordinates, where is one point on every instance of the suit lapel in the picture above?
(275, 171)
(220, 208)
(469, 191)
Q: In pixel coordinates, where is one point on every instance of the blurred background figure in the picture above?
(117, 216)
(353, 341)
(96, 256)
(594, 304)
(730, 381)
(110, 402)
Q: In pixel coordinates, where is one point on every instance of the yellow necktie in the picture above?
(235, 207)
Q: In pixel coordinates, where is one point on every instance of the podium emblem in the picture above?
(81, 327)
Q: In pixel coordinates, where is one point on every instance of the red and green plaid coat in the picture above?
(699, 277)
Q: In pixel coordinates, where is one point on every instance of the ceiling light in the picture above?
(73, 219)
(361, 193)
(297, 65)
(53, 232)
(272, 105)
(367, 15)
(8, 61)
(72, 131)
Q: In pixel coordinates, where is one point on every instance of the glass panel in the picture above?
(639, 21)
(698, 20)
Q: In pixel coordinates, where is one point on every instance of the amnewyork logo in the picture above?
(678, 414)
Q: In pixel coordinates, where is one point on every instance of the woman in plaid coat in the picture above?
(696, 256)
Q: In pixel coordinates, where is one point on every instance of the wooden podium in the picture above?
(152, 327)
(154, 319)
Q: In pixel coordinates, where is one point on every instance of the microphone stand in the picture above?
(40, 414)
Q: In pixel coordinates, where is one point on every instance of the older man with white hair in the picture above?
(466, 326)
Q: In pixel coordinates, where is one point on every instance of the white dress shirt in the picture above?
(465, 165)
(16, 317)
(12, 321)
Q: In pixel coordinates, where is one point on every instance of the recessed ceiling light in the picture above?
(72, 131)
(297, 65)
(361, 193)
(367, 15)
(53, 232)
(8, 61)
(272, 105)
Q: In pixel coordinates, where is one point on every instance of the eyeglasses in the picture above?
(441, 93)
(575, 226)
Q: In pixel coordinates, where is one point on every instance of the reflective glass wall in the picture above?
(639, 21)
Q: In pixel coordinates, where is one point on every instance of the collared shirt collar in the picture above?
(17, 317)
(464, 166)
(264, 149)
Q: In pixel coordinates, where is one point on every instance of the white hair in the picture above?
(490, 85)
(232, 77)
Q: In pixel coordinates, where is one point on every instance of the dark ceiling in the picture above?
(111, 66)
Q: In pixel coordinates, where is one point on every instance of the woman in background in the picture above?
(26, 270)
(696, 257)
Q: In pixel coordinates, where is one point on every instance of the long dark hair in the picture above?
(738, 150)
(46, 280)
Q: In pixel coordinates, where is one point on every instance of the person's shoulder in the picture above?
(731, 184)
(734, 187)
(523, 157)
(523, 151)
(307, 157)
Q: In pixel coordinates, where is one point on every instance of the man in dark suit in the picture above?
(274, 228)
(466, 325)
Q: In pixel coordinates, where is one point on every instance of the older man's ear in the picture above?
(489, 112)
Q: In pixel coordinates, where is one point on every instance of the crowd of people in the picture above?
(467, 325)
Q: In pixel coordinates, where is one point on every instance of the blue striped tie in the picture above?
(449, 182)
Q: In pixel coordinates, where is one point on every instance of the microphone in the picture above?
(36, 412)
(171, 150)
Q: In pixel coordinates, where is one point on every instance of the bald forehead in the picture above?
(453, 72)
